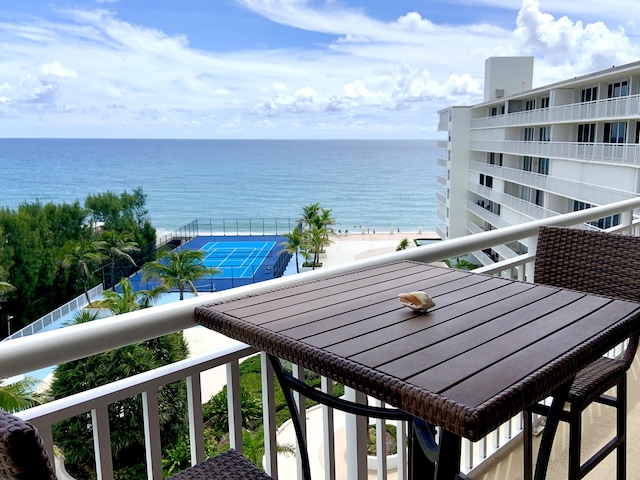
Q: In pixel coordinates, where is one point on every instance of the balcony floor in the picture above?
(598, 428)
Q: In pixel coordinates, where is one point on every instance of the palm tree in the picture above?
(83, 255)
(129, 300)
(179, 268)
(317, 238)
(323, 218)
(403, 245)
(309, 213)
(294, 244)
(118, 245)
(18, 395)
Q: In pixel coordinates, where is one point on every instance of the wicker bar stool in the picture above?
(22, 454)
(23, 457)
(597, 263)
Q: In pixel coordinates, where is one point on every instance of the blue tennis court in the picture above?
(242, 259)
(236, 259)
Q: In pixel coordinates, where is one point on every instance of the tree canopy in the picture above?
(36, 238)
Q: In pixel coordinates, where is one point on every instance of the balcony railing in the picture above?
(619, 153)
(561, 186)
(44, 349)
(610, 108)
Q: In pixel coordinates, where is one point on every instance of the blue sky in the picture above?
(281, 68)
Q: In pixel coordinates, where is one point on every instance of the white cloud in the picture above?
(563, 42)
(57, 70)
(101, 68)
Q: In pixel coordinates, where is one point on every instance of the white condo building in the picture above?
(529, 153)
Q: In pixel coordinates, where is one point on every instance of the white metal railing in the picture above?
(620, 107)
(561, 186)
(621, 153)
(43, 322)
(26, 354)
(505, 200)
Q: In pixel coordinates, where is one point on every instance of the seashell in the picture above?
(418, 301)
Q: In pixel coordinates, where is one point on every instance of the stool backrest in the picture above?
(592, 262)
(22, 454)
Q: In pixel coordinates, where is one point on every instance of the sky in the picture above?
(282, 69)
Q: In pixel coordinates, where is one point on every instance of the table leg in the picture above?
(551, 425)
(420, 465)
(423, 449)
(295, 417)
(448, 466)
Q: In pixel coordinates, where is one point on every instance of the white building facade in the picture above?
(530, 153)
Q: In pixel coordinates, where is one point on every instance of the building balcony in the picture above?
(523, 207)
(600, 110)
(563, 187)
(618, 153)
(495, 456)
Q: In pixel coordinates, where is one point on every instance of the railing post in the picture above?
(328, 429)
(298, 373)
(152, 441)
(234, 405)
(196, 428)
(102, 442)
(356, 427)
(269, 417)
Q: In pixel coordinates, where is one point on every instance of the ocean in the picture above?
(374, 184)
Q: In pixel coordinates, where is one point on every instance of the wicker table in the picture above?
(488, 349)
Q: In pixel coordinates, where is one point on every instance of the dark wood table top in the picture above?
(487, 350)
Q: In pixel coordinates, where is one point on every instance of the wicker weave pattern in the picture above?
(225, 466)
(22, 455)
(596, 263)
(592, 262)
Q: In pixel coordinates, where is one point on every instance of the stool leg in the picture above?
(575, 436)
(621, 415)
(527, 444)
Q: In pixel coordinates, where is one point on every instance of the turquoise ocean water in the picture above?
(374, 184)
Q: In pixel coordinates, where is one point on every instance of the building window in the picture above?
(527, 164)
(544, 102)
(486, 180)
(589, 94)
(587, 132)
(495, 159)
(545, 134)
(615, 132)
(618, 89)
(601, 223)
(491, 158)
(494, 111)
(577, 206)
(530, 104)
(543, 166)
(528, 134)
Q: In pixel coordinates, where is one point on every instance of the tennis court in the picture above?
(236, 259)
(241, 259)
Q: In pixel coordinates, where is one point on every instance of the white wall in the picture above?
(511, 74)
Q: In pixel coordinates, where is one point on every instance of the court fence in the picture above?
(241, 226)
